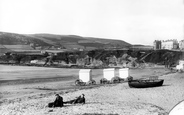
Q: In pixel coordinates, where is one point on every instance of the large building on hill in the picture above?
(166, 44)
(181, 45)
(169, 44)
(157, 44)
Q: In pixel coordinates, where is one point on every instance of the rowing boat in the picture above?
(145, 83)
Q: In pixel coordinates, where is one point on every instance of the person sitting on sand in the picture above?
(58, 102)
(80, 99)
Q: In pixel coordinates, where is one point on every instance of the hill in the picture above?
(60, 41)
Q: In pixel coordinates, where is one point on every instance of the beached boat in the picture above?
(144, 83)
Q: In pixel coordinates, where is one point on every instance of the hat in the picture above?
(57, 95)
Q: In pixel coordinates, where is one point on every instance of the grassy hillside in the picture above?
(60, 41)
(19, 39)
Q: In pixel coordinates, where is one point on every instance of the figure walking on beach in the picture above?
(166, 62)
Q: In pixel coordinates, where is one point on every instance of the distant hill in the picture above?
(60, 41)
(141, 47)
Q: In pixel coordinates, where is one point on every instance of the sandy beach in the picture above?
(28, 91)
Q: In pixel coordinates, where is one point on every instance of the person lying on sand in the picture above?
(80, 99)
(58, 102)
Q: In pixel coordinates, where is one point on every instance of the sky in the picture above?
(134, 21)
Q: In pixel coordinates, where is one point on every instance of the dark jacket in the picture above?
(80, 100)
(58, 102)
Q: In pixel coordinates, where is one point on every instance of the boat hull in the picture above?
(145, 83)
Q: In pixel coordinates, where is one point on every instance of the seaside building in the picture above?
(181, 45)
(169, 44)
(157, 44)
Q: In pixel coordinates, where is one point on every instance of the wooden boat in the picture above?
(144, 83)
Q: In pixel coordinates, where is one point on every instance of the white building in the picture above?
(181, 45)
(169, 44)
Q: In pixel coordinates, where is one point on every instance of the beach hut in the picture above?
(109, 73)
(85, 77)
(124, 73)
(109, 76)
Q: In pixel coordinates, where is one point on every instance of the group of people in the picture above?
(59, 101)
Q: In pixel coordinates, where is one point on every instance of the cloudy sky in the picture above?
(134, 21)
